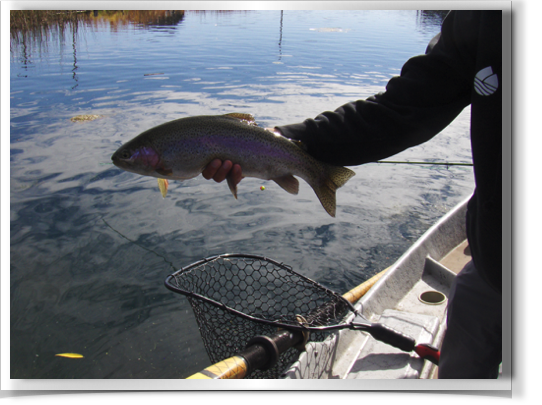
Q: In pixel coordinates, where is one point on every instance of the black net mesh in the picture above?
(237, 297)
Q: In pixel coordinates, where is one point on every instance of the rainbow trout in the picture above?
(181, 149)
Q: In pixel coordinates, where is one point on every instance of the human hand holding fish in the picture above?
(218, 171)
(229, 146)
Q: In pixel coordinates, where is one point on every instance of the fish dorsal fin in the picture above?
(246, 118)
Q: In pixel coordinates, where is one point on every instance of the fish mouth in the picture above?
(124, 164)
(117, 161)
(121, 160)
(143, 160)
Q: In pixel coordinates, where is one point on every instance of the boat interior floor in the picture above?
(420, 315)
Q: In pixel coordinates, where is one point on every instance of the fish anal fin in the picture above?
(246, 118)
(163, 186)
(288, 183)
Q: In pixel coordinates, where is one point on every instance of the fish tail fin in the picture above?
(334, 177)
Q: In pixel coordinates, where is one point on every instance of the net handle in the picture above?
(241, 365)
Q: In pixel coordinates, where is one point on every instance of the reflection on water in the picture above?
(430, 18)
(91, 245)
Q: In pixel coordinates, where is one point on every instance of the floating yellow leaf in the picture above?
(70, 355)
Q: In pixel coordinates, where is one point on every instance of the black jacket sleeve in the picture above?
(462, 66)
(430, 92)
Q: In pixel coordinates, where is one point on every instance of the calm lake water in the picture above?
(91, 244)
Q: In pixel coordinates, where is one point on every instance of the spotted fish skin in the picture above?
(181, 149)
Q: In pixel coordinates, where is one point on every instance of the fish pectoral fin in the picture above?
(246, 118)
(163, 185)
(288, 183)
(232, 186)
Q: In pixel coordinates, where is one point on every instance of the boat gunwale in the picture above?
(377, 299)
(414, 257)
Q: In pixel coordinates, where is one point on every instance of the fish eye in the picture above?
(125, 154)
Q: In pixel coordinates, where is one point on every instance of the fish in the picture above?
(182, 148)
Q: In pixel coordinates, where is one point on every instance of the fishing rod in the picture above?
(263, 351)
(425, 163)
